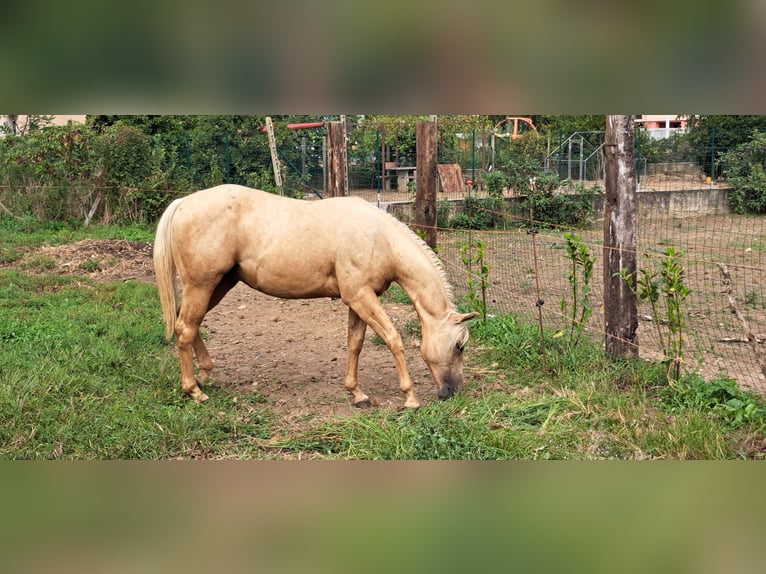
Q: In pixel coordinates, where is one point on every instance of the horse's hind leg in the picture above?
(204, 362)
(356, 330)
(189, 319)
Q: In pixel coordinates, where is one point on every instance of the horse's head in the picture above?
(442, 349)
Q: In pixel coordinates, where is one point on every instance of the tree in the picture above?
(569, 124)
(743, 167)
(713, 135)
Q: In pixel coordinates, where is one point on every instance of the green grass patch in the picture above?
(87, 374)
(395, 294)
(581, 405)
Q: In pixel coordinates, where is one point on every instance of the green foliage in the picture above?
(477, 269)
(479, 213)
(744, 168)
(676, 148)
(124, 155)
(496, 183)
(40, 171)
(579, 310)
(665, 285)
(709, 134)
(550, 207)
(58, 172)
(395, 294)
(128, 165)
(721, 397)
(566, 125)
(514, 411)
(87, 374)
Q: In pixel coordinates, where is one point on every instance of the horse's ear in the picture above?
(462, 318)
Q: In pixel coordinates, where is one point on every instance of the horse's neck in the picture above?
(425, 286)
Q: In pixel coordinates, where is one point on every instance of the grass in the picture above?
(87, 374)
(583, 407)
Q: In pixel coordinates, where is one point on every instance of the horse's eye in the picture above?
(459, 347)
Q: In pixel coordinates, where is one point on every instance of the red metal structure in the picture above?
(516, 121)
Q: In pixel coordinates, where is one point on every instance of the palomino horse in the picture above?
(294, 249)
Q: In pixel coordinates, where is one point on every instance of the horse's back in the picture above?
(285, 247)
(235, 207)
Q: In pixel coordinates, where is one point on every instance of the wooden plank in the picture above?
(274, 158)
(451, 178)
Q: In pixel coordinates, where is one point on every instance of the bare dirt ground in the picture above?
(291, 352)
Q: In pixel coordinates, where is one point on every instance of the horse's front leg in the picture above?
(368, 307)
(356, 331)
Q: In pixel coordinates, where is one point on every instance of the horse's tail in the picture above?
(165, 269)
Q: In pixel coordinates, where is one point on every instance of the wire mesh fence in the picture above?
(492, 190)
(721, 254)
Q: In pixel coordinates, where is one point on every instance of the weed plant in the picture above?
(579, 309)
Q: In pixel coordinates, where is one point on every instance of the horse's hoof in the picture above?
(411, 404)
(200, 397)
(365, 404)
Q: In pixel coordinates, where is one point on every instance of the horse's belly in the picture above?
(289, 282)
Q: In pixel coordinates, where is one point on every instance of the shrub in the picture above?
(550, 207)
(479, 213)
(744, 168)
(496, 182)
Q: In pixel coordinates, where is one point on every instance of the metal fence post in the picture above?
(188, 159)
(228, 163)
(473, 156)
(637, 136)
(712, 155)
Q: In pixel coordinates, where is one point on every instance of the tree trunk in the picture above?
(620, 303)
(426, 181)
(336, 159)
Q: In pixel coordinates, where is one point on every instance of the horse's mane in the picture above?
(438, 265)
(459, 335)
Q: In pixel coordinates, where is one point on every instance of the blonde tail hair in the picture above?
(165, 269)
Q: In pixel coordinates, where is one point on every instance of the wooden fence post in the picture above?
(620, 303)
(336, 160)
(426, 181)
(275, 163)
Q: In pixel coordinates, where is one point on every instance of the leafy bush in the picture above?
(479, 213)
(744, 168)
(496, 182)
(560, 209)
(721, 396)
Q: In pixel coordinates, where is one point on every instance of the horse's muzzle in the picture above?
(450, 386)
